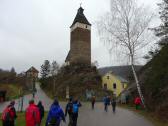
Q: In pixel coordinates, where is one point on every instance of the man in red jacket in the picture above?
(137, 102)
(32, 115)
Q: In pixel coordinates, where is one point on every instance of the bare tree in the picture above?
(54, 71)
(125, 28)
(54, 68)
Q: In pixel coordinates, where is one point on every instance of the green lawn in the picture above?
(12, 90)
(21, 119)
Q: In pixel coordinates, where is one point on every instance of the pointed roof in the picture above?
(80, 17)
(32, 69)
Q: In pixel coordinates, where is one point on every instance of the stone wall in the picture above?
(80, 46)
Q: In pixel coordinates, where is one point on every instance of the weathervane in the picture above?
(80, 4)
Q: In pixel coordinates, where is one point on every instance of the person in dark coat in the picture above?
(41, 109)
(93, 100)
(12, 104)
(9, 115)
(69, 110)
(113, 103)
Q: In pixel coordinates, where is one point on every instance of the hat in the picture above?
(56, 102)
(31, 101)
(12, 103)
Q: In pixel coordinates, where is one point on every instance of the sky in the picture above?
(32, 31)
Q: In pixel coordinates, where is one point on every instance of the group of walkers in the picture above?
(35, 113)
(33, 117)
(107, 101)
(72, 110)
(56, 113)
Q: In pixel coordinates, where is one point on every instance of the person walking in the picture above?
(106, 102)
(41, 110)
(9, 115)
(55, 115)
(93, 100)
(137, 102)
(76, 105)
(32, 114)
(113, 103)
(69, 110)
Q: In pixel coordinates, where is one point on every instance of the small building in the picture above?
(31, 77)
(114, 83)
(32, 72)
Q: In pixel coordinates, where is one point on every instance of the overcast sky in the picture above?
(32, 31)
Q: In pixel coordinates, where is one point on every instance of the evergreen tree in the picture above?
(162, 30)
(12, 70)
(12, 75)
(45, 69)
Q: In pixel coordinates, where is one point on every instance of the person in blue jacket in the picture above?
(106, 101)
(55, 115)
(76, 105)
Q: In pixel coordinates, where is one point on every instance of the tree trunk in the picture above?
(54, 88)
(138, 86)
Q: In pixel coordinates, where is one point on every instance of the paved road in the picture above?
(88, 117)
(98, 117)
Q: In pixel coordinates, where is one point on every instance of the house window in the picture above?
(108, 77)
(123, 86)
(114, 86)
(105, 87)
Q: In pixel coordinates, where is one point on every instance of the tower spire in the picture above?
(80, 17)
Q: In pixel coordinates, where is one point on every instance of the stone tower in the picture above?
(80, 40)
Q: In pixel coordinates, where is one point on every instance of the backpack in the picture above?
(7, 114)
(75, 108)
(70, 108)
(54, 114)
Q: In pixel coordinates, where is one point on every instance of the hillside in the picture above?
(154, 82)
(13, 90)
(78, 78)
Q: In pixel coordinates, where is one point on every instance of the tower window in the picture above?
(86, 26)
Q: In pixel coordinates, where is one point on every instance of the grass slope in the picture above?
(20, 121)
(148, 115)
(155, 84)
(12, 90)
